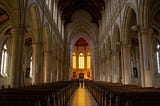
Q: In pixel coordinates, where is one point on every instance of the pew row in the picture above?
(50, 94)
(116, 94)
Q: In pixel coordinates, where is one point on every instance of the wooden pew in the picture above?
(110, 94)
(51, 94)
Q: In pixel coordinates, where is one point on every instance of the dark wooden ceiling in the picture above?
(94, 7)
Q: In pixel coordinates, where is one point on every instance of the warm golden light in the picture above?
(74, 61)
(81, 61)
(88, 62)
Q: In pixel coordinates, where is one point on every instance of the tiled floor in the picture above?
(82, 97)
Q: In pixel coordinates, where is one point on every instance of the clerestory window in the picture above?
(3, 71)
(158, 57)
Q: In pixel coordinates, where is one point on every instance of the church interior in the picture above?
(47, 47)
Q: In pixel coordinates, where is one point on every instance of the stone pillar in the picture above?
(109, 70)
(36, 60)
(97, 64)
(114, 68)
(47, 66)
(17, 21)
(146, 56)
(117, 68)
(57, 70)
(126, 79)
(93, 63)
(68, 69)
(16, 67)
(102, 69)
(105, 68)
(54, 68)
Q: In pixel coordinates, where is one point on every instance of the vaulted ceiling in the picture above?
(94, 7)
(4, 17)
(157, 17)
(81, 42)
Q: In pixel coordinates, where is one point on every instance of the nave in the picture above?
(69, 93)
(82, 97)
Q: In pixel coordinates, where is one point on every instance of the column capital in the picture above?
(126, 45)
(48, 51)
(15, 29)
(36, 44)
(146, 30)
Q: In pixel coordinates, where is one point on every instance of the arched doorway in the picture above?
(81, 60)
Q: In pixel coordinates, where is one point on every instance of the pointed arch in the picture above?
(5, 6)
(129, 14)
(116, 38)
(33, 23)
(144, 11)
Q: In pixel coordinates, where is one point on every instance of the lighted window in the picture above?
(4, 61)
(158, 57)
(81, 61)
(88, 61)
(74, 61)
(31, 72)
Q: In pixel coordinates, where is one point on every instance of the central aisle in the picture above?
(82, 97)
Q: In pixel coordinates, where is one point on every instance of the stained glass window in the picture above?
(81, 61)
(88, 61)
(74, 61)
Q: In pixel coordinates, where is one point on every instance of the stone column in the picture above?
(109, 70)
(36, 60)
(57, 70)
(126, 64)
(97, 64)
(47, 66)
(117, 67)
(54, 68)
(105, 68)
(16, 67)
(93, 63)
(146, 50)
(114, 68)
(101, 70)
(66, 67)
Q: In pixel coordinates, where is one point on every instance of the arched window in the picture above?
(30, 74)
(81, 61)
(4, 61)
(88, 61)
(74, 61)
(158, 57)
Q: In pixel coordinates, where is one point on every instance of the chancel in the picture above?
(49, 47)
